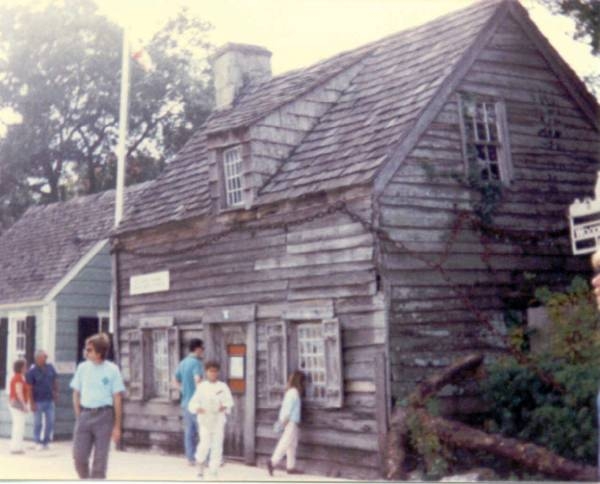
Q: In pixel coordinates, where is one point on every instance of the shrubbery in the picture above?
(526, 407)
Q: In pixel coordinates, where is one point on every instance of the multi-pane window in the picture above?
(152, 358)
(232, 170)
(311, 359)
(21, 339)
(160, 360)
(482, 125)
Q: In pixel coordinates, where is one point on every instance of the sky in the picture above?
(301, 32)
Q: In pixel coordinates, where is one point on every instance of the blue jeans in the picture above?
(43, 410)
(190, 434)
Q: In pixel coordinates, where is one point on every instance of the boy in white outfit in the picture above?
(211, 401)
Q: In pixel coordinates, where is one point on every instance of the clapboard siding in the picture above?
(430, 323)
(322, 261)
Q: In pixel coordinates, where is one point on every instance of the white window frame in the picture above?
(160, 361)
(311, 360)
(233, 182)
(471, 102)
(104, 315)
(12, 354)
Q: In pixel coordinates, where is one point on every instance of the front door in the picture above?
(228, 348)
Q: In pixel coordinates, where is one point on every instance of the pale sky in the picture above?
(301, 32)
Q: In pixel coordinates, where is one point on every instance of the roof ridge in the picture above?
(360, 52)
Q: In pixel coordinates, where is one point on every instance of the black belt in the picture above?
(97, 409)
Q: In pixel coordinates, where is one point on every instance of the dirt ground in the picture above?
(57, 463)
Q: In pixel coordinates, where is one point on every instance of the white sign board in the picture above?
(147, 283)
(236, 367)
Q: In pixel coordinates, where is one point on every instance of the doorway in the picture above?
(88, 326)
(233, 346)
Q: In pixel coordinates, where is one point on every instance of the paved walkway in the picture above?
(57, 463)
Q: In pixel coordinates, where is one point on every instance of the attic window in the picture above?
(232, 170)
(485, 139)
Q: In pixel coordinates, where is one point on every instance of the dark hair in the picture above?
(296, 380)
(212, 364)
(196, 343)
(100, 342)
(18, 365)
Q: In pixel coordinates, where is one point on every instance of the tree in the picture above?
(586, 14)
(60, 72)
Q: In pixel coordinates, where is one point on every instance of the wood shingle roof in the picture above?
(48, 240)
(398, 78)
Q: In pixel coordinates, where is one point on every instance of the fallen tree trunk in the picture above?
(531, 456)
(457, 370)
(457, 434)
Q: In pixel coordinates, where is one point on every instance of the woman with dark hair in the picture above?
(18, 405)
(289, 418)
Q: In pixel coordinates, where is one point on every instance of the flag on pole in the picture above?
(141, 56)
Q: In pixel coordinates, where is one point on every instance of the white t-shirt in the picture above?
(210, 397)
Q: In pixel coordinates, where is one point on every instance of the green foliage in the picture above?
(60, 74)
(586, 14)
(526, 407)
(575, 323)
(427, 444)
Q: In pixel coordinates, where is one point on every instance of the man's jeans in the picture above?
(43, 411)
(190, 434)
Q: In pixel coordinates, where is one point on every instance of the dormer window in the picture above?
(485, 139)
(232, 171)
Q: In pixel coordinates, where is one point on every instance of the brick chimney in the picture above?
(237, 65)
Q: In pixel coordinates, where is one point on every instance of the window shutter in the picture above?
(3, 351)
(29, 339)
(174, 357)
(276, 361)
(136, 365)
(334, 381)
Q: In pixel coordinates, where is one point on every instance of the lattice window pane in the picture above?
(160, 354)
(480, 121)
(311, 359)
(21, 339)
(232, 167)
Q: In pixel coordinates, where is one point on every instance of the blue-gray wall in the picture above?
(86, 295)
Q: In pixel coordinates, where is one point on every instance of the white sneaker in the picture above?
(39, 447)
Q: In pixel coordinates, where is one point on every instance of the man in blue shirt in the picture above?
(97, 400)
(190, 372)
(42, 379)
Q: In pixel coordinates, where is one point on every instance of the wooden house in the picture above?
(337, 219)
(55, 289)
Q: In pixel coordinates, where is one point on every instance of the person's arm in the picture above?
(76, 403)
(177, 378)
(227, 400)
(198, 372)
(20, 391)
(118, 409)
(194, 404)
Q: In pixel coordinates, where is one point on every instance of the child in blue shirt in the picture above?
(289, 418)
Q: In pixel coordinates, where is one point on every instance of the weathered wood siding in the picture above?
(269, 142)
(429, 325)
(327, 260)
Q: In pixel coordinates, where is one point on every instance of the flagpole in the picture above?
(123, 122)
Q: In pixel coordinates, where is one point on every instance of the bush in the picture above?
(525, 407)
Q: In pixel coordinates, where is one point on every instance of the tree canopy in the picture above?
(60, 70)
